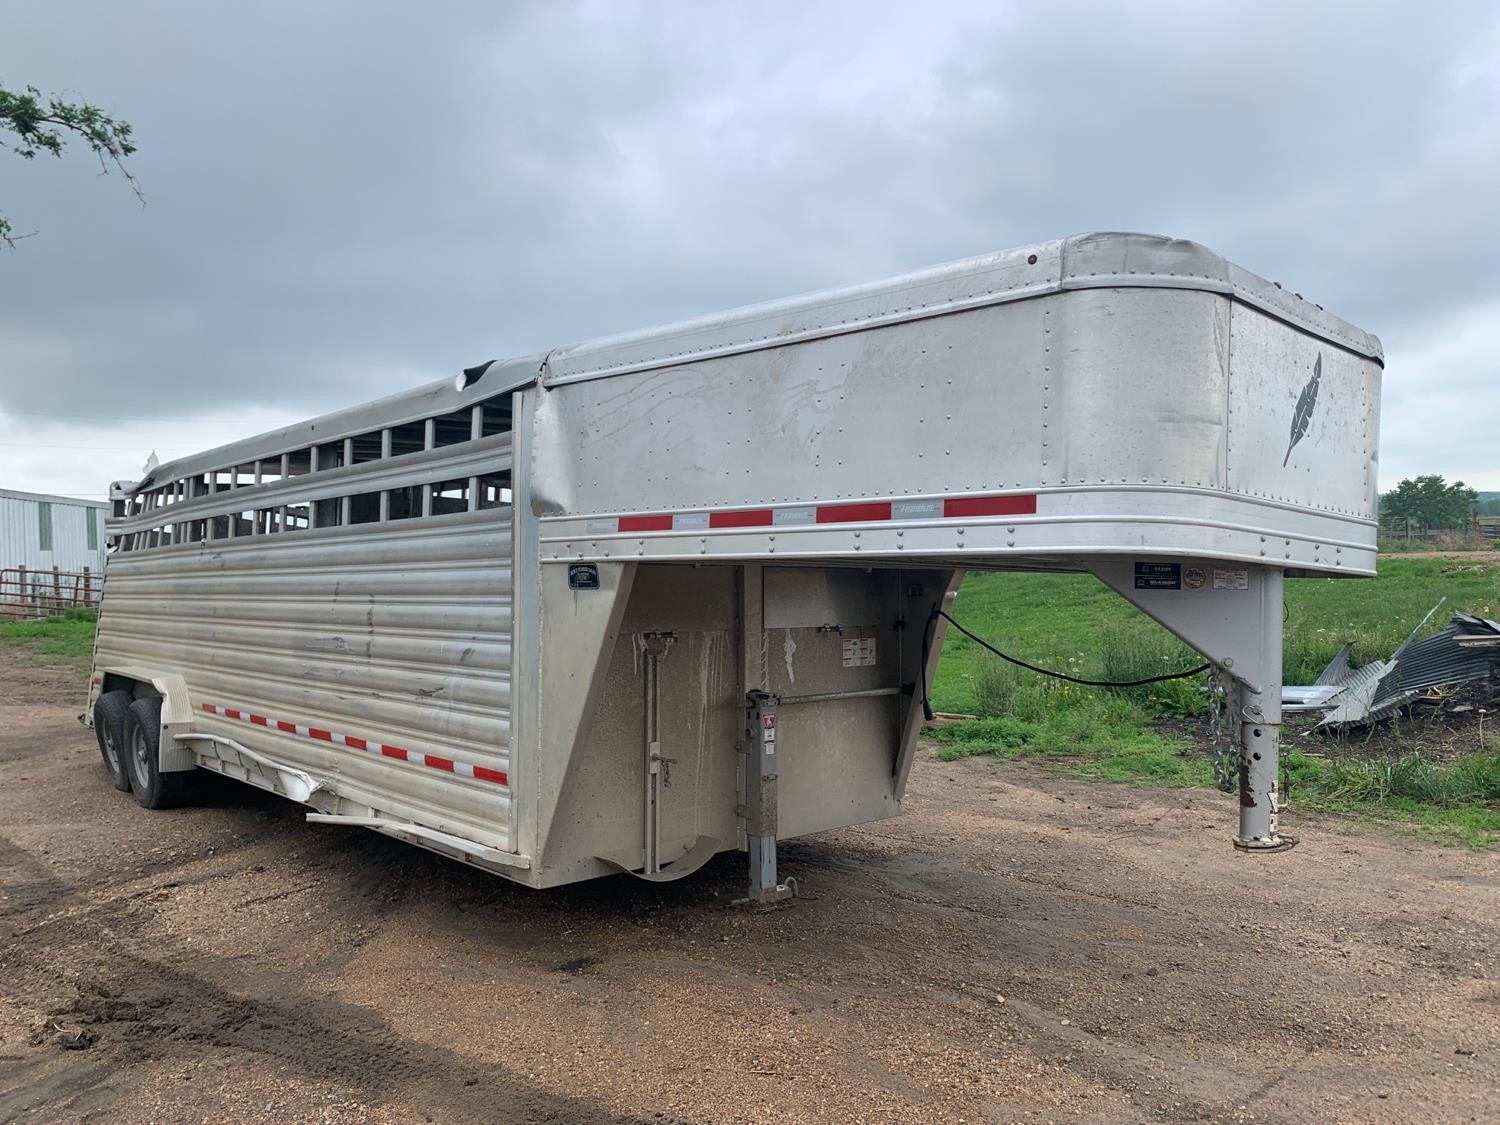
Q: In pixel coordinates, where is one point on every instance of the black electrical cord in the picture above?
(938, 611)
(927, 711)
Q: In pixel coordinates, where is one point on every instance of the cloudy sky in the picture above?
(347, 199)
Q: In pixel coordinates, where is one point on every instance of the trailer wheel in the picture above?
(110, 711)
(153, 789)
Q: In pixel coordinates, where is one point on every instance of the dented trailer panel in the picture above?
(624, 605)
(1094, 395)
(304, 643)
(383, 661)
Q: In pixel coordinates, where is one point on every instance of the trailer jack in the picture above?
(759, 809)
(1237, 624)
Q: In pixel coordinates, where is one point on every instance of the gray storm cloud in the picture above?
(345, 199)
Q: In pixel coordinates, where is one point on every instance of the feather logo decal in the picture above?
(1306, 403)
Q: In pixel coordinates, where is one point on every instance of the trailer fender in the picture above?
(176, 715)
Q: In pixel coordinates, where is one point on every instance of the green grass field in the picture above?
(1072, 623)
(67, 640)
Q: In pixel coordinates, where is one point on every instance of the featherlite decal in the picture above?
(1306, 404)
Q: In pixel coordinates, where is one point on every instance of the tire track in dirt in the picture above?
(87, 960)
(126, 1008)
(31, 890)
(26, 883)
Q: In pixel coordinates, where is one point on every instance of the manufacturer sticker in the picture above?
(794, 517)
(583, 576)
(1194, 577)
(1231, 578)
(1158, 576)
(859, 652)
(916, 509)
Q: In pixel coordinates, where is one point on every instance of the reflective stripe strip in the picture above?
(380, 749)
(865, 511)
(645, 523)
(959, 506)
(758, 517)
(853, 513)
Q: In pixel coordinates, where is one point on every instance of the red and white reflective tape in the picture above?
(380, 749)
(809, 515)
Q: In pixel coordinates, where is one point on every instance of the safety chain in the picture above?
(1222, 741)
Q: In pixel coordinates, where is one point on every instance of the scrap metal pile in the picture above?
(1465, 655)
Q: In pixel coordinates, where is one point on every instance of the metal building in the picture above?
(40, 532)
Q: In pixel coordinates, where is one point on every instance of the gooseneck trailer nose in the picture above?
(624, 605)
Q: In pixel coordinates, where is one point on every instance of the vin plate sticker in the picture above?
(1158, 576)
(1231, 578)
(859, 652)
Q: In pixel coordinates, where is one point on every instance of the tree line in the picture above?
(1429, 503)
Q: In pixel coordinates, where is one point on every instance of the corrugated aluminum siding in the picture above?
(398, 633)
(21, 541)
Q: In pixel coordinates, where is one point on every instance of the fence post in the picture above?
(56, 589)
(88, 588)
(23, 587)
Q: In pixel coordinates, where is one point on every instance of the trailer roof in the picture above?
(1082, 261)
(442, 397)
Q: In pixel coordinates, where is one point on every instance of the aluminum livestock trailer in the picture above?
(624, 605)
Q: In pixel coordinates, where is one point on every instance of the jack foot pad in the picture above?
(766, 895)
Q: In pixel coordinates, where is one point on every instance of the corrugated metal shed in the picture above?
(40, 532)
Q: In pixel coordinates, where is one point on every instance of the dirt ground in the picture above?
(1016, 948)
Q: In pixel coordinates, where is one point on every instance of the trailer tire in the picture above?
(153, 789)
(110, 711)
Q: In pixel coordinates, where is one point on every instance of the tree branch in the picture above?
(47, 128)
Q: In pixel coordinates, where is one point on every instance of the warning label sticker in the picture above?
(859, 652)
(1231, 578)
(1158, 576)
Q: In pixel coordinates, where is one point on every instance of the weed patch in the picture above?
(1459, 798)
(1103, 737)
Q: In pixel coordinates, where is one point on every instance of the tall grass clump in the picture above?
(1127, 654)
(1473, 779)
(995, 686)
